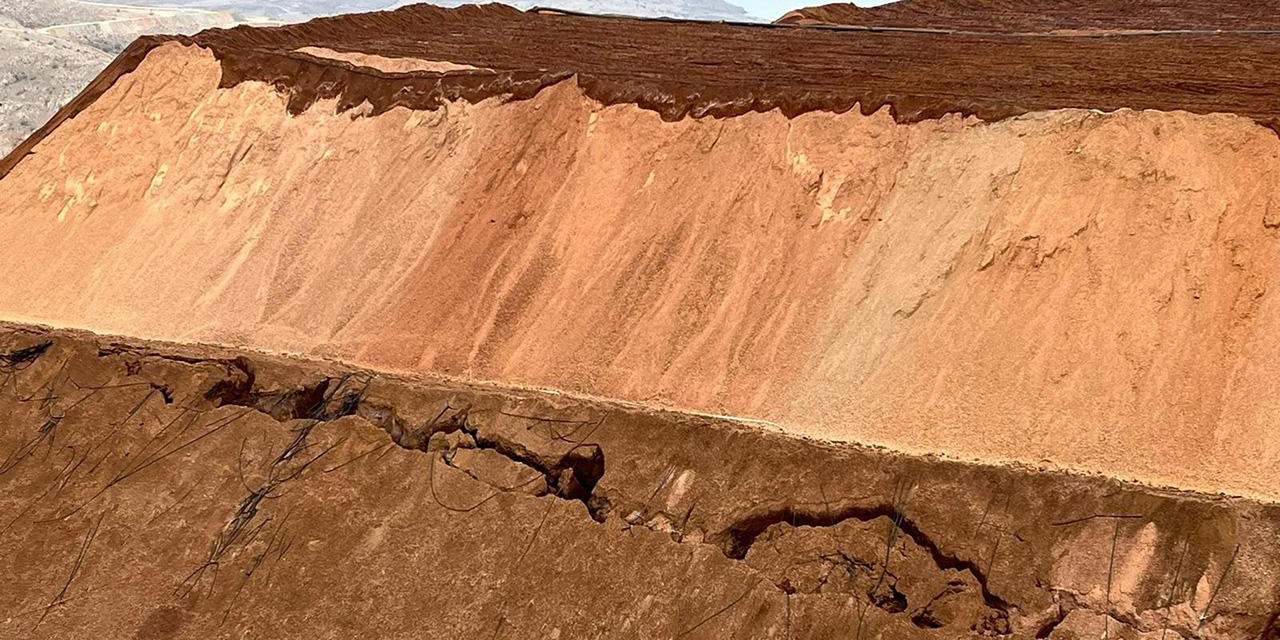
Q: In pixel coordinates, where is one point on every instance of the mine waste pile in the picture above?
(938, 320)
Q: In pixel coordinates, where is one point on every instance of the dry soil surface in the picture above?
(182, 492)
(1077, 289)
(1047, 15)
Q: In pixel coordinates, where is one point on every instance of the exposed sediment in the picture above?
(383, 63)
(1047, 16)
(1071, 289)
(623, 271)
(694, 69)
(180, 491)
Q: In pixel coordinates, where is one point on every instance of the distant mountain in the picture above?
(686, 9)
(50, 49)
(38, 74)
(277, 10)
(296, 10)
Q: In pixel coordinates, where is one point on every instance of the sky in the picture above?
(771, 9)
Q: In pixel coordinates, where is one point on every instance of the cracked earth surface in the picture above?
(197, 492)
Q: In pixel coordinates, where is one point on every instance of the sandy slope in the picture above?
(383, 63)
(1079, 289)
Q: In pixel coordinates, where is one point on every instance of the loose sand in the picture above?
(1077, 289)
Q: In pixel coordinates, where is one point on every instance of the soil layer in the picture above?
(689, 68)
(1091, 291)
(193, 492)
(1047, 16)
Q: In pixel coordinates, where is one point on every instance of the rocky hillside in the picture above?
(51, 49)
(683, 9)
(892, 275)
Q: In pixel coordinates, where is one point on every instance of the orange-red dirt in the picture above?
(1075, 289)
(591, 278)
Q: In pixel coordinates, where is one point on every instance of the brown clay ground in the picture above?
(155, 491)
(1043, 16)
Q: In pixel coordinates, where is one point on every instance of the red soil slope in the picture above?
(1073, 288)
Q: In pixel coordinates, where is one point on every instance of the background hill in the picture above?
(687, 9)
(50, 49)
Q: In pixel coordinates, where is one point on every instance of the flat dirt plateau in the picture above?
(1048, 16)
(157, 491)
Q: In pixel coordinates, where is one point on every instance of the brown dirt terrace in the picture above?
(1069, 288)
(1028, 16)
(687, 68)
